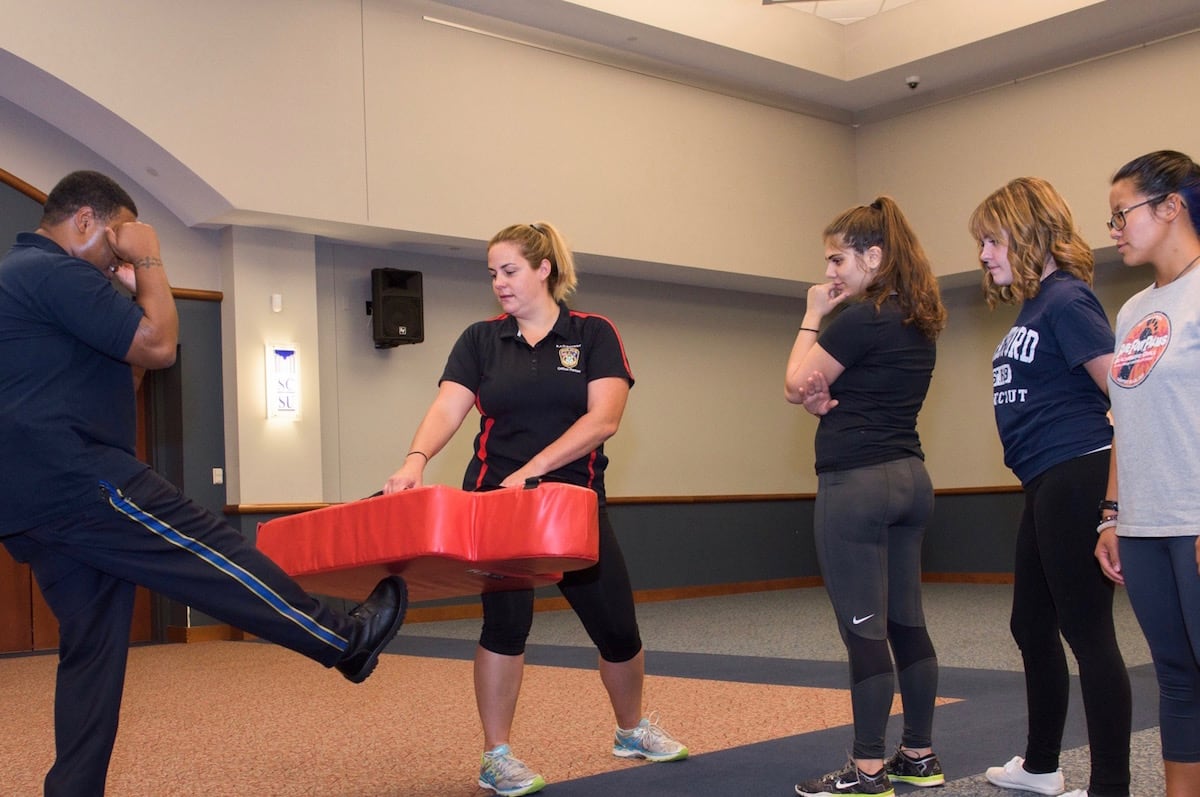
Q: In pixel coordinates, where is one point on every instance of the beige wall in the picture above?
(40, 154)
(368, 116)
(1074, 127)
(269, 460)
(629, 166)
(376, 119)
(632, 166)
(706, 416)
(262, 100)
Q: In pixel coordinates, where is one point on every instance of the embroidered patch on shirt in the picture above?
(568, 357)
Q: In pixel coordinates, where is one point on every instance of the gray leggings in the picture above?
(869, 523)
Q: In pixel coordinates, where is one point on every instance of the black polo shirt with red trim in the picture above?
(528, 396)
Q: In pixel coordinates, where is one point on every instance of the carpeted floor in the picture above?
(754, 684)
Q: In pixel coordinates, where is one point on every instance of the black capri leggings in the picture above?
(601, 596)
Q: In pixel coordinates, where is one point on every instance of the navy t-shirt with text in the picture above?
(1048, 408)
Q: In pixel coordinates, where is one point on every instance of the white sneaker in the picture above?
(507, 775)
(1013, 776)
(1075, 793)
(649, 741)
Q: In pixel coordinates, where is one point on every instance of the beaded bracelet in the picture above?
(1107, 523)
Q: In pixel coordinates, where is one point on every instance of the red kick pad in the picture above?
(444, 541)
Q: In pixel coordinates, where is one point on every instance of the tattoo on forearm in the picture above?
(148, 262)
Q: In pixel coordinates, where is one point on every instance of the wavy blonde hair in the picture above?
(1035, 221)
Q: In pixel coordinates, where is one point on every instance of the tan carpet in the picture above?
(244, 718)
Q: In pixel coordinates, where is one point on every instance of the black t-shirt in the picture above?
(528, 397)
(888, 368)
(67, 414)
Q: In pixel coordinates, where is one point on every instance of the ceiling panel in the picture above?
(844, 12)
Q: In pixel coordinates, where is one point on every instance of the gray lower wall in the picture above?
(666, 545)
(684, 545)
(679, 545)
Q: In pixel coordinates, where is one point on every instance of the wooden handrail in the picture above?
(11, 180)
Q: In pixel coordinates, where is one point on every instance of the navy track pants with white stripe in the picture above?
(148, 533)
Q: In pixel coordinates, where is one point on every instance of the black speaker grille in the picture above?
(397, 314)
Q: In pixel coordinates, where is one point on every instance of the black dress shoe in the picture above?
(378, 618)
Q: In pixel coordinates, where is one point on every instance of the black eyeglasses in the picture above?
(1117, 220)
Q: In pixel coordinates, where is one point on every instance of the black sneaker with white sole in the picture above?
(848, 782)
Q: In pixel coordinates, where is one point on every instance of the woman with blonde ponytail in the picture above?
(550, 385)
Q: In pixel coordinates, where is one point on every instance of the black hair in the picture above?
(85, 189)
(1163, 172)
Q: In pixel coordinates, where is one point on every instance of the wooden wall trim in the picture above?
(997, 490)
(708, 499)
(967, 578)
(271, 509)
(291, 509)
(197, 295)
(12, 181)
(754, 498)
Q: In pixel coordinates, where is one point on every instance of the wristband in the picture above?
(422, 453)
(1105, 525)
(1106, 504)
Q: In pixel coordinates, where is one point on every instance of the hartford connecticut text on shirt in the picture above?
(1019, 344)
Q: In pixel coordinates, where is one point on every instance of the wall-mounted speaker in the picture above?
(397, 315)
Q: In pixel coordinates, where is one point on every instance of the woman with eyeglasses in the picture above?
(866, 376)
(1151, 545)
(1049, 390)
